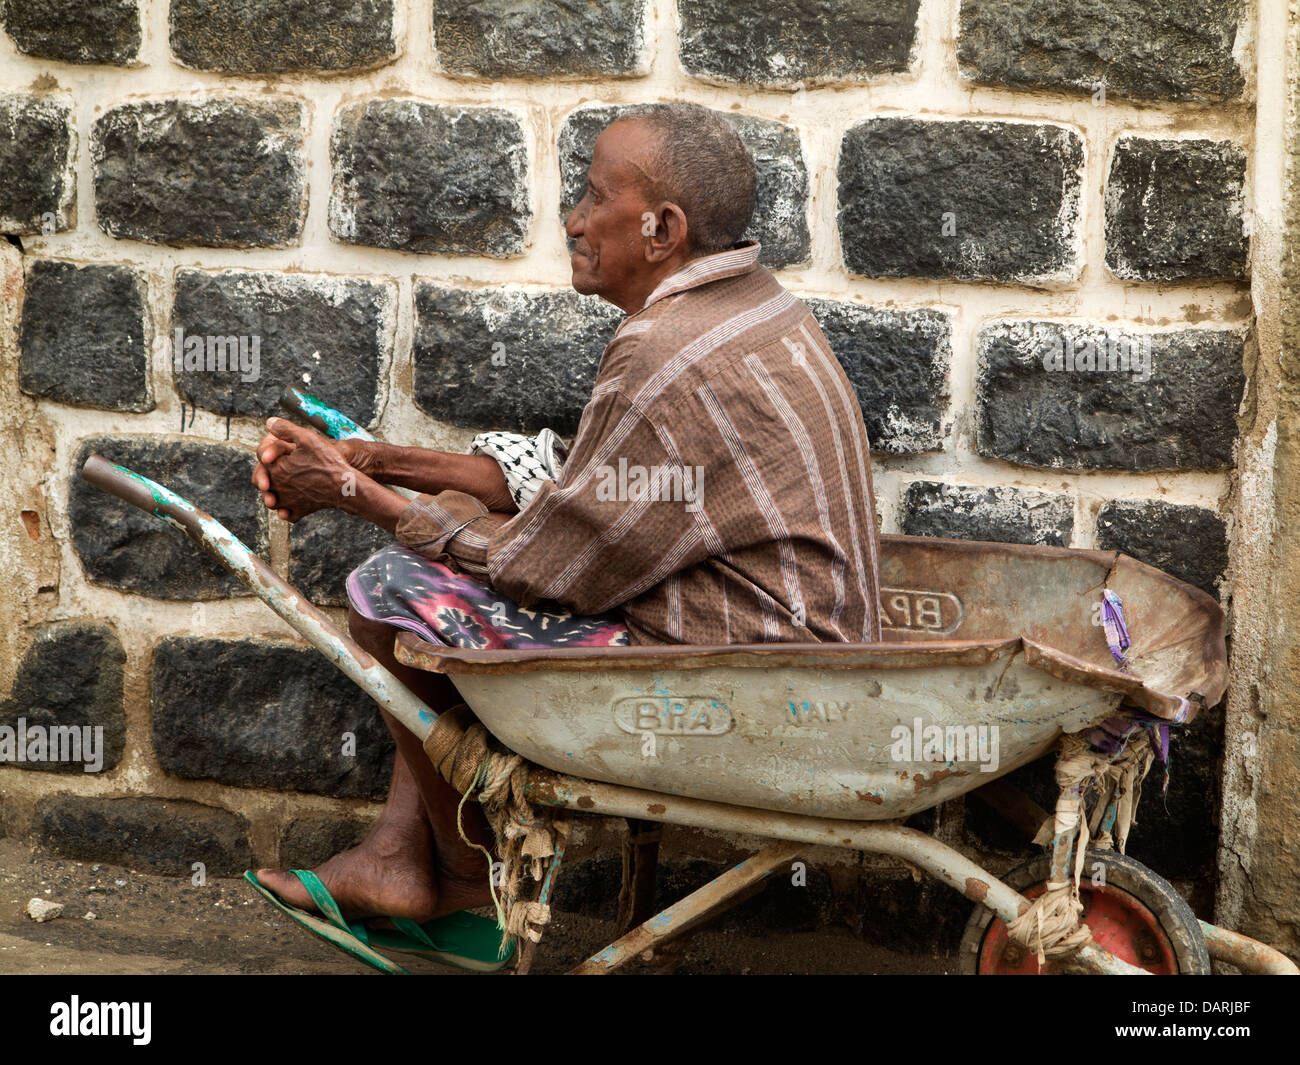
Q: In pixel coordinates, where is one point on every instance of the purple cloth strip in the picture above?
(1112, 735)
(1116, 631)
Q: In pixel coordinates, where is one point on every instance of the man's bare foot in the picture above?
(389, 874)
(362, 886)
(393, 874)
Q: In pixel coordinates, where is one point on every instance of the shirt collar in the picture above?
(707, 268)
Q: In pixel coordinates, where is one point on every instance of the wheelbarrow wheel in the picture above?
(1132, 912)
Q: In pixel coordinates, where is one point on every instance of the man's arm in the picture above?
(312, 472)
(587, 543)
(424, 470)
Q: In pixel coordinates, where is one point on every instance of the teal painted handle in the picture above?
(320, 416)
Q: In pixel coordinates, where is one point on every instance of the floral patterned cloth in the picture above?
(402, 588)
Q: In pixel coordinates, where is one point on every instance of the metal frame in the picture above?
(891, 838)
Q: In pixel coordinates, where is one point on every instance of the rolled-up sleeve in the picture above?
(450, 527)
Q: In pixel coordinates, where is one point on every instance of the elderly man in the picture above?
(718, 489)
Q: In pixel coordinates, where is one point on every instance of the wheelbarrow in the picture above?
(994, 655)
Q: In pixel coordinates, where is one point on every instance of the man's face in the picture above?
(609, 254)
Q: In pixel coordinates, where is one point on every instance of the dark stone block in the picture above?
(898, 364)
(494, 359)
(308, 841)
(423, 178)
(781, 42)
(1174, 210)
(546, 38)
(328, 335)
(1182, 415)
(122, 547)
(1006, 515)
(83, 334)
(1190, 543)
(966, 199)
(38, 182)
(325, 547)
(780, 221)
(276, 36)
(574, 145)
(1173, 50)
(163, 836)
(220, 173)
(258, 715)
(70, 678)
(75, 31)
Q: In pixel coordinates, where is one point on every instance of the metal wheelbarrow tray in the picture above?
(992, 645)
(799, 743)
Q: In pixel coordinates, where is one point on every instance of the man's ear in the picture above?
(664, 230)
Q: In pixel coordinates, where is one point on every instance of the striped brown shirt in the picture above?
(719, 486)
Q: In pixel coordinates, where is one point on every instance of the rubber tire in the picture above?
(1175, 917)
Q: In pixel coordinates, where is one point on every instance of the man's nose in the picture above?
(573, 225)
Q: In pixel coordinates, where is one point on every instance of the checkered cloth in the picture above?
(526, 461)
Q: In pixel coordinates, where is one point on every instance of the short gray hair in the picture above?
(705, 169)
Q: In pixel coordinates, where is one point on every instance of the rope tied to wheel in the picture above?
(471, 761)
(1052, 926)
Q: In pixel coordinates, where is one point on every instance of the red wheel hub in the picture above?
(1119, 923)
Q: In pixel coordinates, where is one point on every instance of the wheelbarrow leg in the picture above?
(636, 897)
(664, 958)
(690, 912)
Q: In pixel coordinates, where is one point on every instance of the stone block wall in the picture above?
(366, 198)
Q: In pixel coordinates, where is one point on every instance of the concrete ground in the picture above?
(152, 924)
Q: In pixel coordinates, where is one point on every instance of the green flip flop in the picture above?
(461, 939)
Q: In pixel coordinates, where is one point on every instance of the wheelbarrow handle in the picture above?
(321, 416)
(281, 596)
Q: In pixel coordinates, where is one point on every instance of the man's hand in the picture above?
(299, 471)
